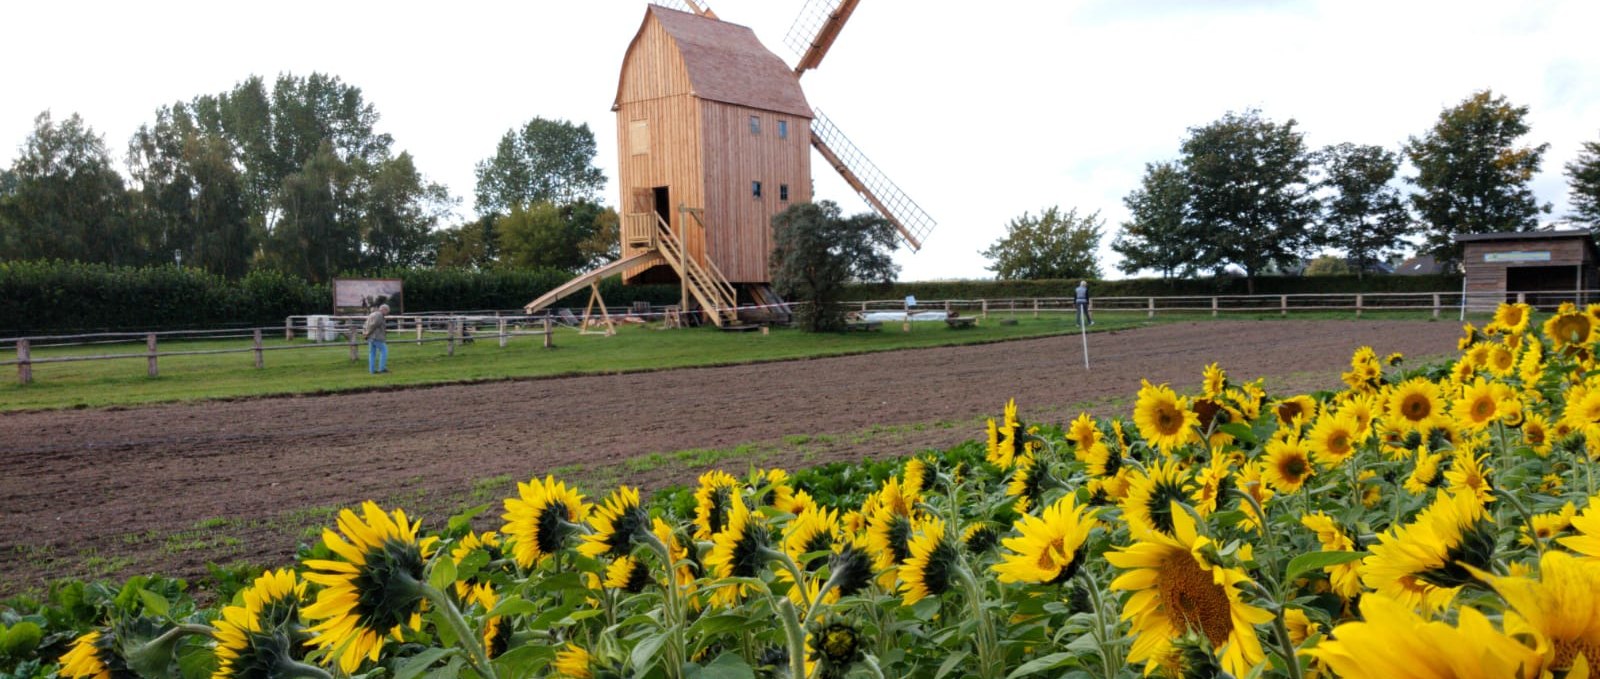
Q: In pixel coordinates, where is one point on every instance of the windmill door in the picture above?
(663, 205)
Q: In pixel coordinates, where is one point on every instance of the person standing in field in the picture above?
(1083, 303)
(376, 332)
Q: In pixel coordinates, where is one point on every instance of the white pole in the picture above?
(1463, 299)
(1083, 332)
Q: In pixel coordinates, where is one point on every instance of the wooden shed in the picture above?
(714, 138)
(1546, 267)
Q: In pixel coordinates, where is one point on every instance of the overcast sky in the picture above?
(979, 110)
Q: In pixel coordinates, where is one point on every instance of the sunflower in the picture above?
(1536, 434)
(1050, 547)
(780, 492)
(685, 570)
(1214, 381)
(374, 589)
(815, 530)
(921, 474)
(1531, 366)
(1512, 318)
(1360, 407)
(1212, 483)
(1582, 413)
(1480, 404)
(1345, 577)
(1425, 474)
(739, 551)
(1365, 371)
(1151, 496)
(94, 656)
(262, 636)
(1415, 405)
(1501, 361)
(1333, 439)
(930, 570)
(1295, 411)
(573, 662)
(1587, 527)
(1392, 641)
(850, 568)
(1424, 563)
(1468, 474)
(889, 540)
(615, 524)
(1469, 337)
(979, 537)
(1561, 609)
(1288, 464)
(1568, 327)
(1164, 420)
(487, 542)
(712, 501)
(1003, 437)
(496, 632)
(628, 574)
(1028, 480)
(1546, 526)
(833, 647)
(1176, 589)
(1252, 482)
(541, 519)
(1098, 460)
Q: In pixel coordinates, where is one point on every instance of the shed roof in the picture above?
(1522, 235)
(727, 63)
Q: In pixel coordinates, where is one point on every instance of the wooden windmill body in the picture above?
(714, 139)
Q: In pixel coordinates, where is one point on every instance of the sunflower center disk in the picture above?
(1193, 600)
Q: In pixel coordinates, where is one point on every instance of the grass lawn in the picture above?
(327, 367)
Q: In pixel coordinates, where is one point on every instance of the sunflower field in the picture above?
(1436, 521)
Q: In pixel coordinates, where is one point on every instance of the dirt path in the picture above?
(167, 488)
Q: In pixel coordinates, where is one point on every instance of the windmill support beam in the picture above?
(866, 194)
(826, 34)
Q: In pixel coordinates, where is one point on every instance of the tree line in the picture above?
(292, 176)
(1246, 192)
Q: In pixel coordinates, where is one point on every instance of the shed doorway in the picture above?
(1534, 280)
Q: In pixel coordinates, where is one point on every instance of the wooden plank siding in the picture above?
(1490, 277)
(740, 223)
(654, 87)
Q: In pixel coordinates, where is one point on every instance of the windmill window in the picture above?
(783, 129)
(755, 189)
(783, 189)
(755, 124)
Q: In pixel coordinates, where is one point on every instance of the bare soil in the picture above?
(168, 488)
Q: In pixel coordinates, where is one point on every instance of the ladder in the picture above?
(705, 284)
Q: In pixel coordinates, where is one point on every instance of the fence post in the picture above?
(1213, 307)
(502, 331)
(548, 343)
(418, 322)
(150, 349)
(24, 362)
(1522, 298)
(1435, 305)
(450, 341)
(985, 309)
(350, 337)
(1283, 305)
(1036, 308)
(288, 328)
(1358, 306)
(257, 337)
(1152, 308)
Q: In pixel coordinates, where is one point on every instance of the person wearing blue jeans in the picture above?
(376, 332)
(1082, 299)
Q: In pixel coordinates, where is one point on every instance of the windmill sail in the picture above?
(873, 185)
(815, 29)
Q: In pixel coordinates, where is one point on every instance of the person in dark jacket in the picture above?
(1083, 303)
(376, 332)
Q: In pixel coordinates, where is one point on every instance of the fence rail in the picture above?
(1434, 303)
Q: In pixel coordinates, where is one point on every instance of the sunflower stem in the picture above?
(1100, 626)
(1527, 518)
(1281, 629)
(458, 624)
(674, 613)
(1261, 519)
(292, 669)
(986, 632)
(788, 564)
(796, 635)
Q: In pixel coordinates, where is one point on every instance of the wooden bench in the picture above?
(864, 326)
(958, 322)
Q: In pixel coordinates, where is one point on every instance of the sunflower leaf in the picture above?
(155, 604)
(443, 574)
(951, 663)
(512, 606)
(644, 653)
(1049, 662)
(1239, 430)
(463, 520)
(729, 665)
(1316, 560)
(415, 665)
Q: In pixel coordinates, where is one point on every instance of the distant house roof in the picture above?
(727, 63)
(1522, 235)
(1420, 265)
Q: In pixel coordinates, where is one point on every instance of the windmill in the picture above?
(714, 138)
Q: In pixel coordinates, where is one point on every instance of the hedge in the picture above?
(1153, 287)
(38, 297)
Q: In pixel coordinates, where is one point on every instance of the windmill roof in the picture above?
(727, 63)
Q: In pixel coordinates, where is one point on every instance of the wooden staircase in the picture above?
(704, 282)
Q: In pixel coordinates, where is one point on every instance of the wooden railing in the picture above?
(639, 229)
(714, 293)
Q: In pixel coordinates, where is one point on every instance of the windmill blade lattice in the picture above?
(874, 186)
(815, 29)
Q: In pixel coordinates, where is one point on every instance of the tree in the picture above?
(1327, 265)
(565, 237)
(547, 160)
(1052, 245)
(190, 197)
(1583, 174)
(1362, 213)
(1471, 175)
(402, 209)
(469, 246)
(1161, 235)
(816, 251)
(64, 200)
(1249, 192)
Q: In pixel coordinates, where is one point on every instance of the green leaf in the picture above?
(1037, 665)
(512, 606)
(1239, 430)
(414, 666)
(464, 519)
(154, 603)
(1317, 560)
(644, 653)
(443, 574)
(727, 666)
(719, 624)
(21, 639)
(951, 663)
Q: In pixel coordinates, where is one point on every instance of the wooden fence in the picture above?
(1435, 304)
(455, 330)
